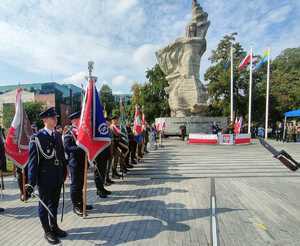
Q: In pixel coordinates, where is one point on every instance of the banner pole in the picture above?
(84, 199)
(267, 96)
(231, 85)
(250, 94)
(23, 184)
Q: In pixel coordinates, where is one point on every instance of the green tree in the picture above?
(285, 82)
(107, 98)
(152, 95)
(218, 78)
(8, 114)
(33, 110)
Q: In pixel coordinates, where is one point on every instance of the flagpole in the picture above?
(231, 85)
(250, 94)
(23, 185)
(267, 96)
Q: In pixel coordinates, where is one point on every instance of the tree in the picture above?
(107, 98)
(33, 110)
(285, 82)
(152, 95)
(218, 78)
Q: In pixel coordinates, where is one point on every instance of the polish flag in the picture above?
(245, 62)
(18, 137)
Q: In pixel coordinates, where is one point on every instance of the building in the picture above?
(125, 97)
(66, 98)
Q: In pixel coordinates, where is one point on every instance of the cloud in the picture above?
(144, 56)
(59, 37)
(78, 78)
(119, 80)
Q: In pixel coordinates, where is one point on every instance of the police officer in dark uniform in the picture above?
(76, 159)
(46, 168)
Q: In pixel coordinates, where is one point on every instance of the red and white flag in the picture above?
(18, 137)
(238, 125)
(93, 132)
(245, 62)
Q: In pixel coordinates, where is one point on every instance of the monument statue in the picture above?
(180, 61)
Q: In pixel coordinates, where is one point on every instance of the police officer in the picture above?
(76, 159)
(46, 169)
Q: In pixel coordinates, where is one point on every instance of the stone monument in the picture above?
(180, 61)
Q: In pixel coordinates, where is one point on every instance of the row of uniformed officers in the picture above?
(52, 154)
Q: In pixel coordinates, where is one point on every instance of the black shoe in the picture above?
(59, 232)
(110, 181)
(116, 175)
(1, 210)
(101, 194)
(89, 207)
(51, 238)
(134, 162)
(124, 170)
(78, 211)
(129, 166)
(107, 192)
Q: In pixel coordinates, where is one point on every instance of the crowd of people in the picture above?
(277, 132)
(54, 155)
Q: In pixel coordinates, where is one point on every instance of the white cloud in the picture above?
(58, 37)
(78, 78)
(119, 80)
(144, 55)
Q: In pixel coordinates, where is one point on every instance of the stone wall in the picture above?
(194, 124)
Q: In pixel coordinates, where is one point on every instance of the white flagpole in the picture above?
(231, 85)
(267, 96)
(250, 94)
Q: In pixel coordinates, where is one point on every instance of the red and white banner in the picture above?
(18, 137)
(195, 138)
(242, 139)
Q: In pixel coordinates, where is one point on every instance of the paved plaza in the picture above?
(167, 201)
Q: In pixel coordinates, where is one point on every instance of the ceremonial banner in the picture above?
(137, 125)
(18, 137)
(93, 133)
(123, 131)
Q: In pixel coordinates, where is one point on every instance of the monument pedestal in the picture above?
(194, 124)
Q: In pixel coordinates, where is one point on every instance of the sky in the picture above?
(52, 40)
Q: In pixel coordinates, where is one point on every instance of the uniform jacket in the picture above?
(45, 168)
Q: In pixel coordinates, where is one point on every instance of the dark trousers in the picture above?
(76, 187)
(20, 178)
(132, 149)
(100, 170)
(50, 196)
